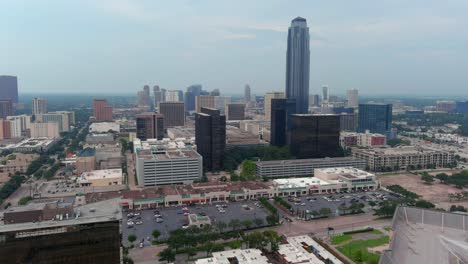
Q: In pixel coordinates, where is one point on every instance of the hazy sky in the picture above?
(386, 47)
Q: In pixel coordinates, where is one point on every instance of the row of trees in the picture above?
(233, 157)
(387, 208)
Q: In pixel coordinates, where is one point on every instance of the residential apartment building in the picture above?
(303, 167)
(39, 106)
(403, 158)
(367, 139)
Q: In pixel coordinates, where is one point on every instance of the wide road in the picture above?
(320, 227)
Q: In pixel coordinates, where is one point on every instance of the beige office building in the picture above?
(267, 102)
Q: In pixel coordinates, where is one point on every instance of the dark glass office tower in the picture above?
(210, 137)
(150, 125)
(9, 88)
(173, 112)
(377, 118)
(190, 94)
(315, 136)
(281, 111)
(297, 64)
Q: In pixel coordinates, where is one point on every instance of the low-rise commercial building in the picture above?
(106, 138)
(340, 179)
(238, 256)
(98, 178)
(38, 211)
(17, 162)
(181, 132)
(303, 249)
(329, 180)
(163, 167)
(35, 145)
(303, 167)
(104, 127)
(405, 157)
(366, 140)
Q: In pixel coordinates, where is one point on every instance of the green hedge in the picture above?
(283, 203)
(268, 206)
(369, 229)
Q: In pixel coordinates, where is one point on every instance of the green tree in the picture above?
(156, 233)
(167, 254)
(325, 211)
(442, 177)
(424, 204)
(248, 169)
(24, 200)
(428, 179)
(131, 238)
(258, 222)
(235, 224)
(221, 225)
(247, 223)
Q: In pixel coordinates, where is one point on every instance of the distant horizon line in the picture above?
(427, 96)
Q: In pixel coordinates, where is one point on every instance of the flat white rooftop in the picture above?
(101, 174)
(247, 256)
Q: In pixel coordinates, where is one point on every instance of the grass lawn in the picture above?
(377, 232)
(340, 239)
(357, 250)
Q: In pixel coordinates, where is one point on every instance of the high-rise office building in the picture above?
(5, 130)
(267, 102)
(210, 137)
(247, 93)
(353, 98)
(19, 125)
(315, 136)
(149, 125)
(462, 107)
(144, 98)
(215, 92)
(190, 94)
(173, 112)
(101, 111)
(348, 122)
(39, 106)
(174, 96)
(314, 100)
(157, 94)
(297, 64)
(235, 111)
(64, 118)
(6, 108)
(377, 118)
(9, 88)
(207, 101)
(221, 102)
(281, 111)
(325, 93)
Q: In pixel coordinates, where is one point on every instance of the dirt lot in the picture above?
(436, 193)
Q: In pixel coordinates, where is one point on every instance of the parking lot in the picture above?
(173, 218)
(333, 201)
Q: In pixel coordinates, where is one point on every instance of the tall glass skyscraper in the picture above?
(297, 64)
(377, 118)
(9, 88)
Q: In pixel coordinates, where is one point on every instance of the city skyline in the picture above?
(422, 48)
